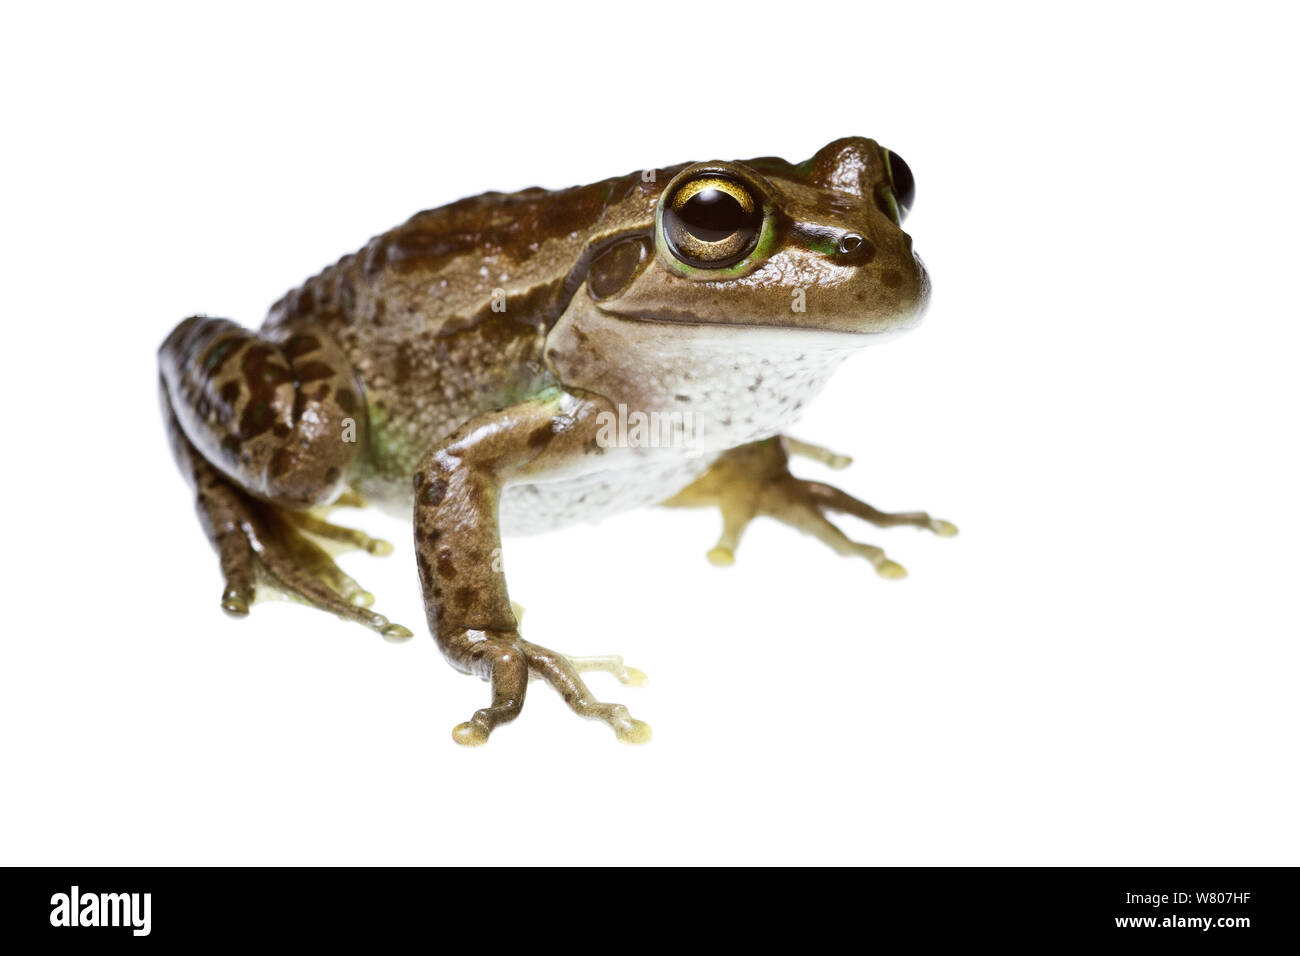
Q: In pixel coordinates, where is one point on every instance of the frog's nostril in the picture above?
(856, 249)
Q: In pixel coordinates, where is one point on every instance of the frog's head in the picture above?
(816, 246)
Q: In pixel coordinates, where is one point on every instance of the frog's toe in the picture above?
(303, 571)
(347, 499)
(235, 601)
(790, 502)
(633, 731)
(239, 568)
(627, 729)
(562, 673)
(471, 734)
(337, 539)
(610, 664)
(720, 556)
(891, 570)
(396, 633)
(604, 663)
(264, 555)
(816, 453)
(500, 659)
(831, 498)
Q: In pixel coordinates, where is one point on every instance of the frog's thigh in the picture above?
(755, 479)
(279, 413)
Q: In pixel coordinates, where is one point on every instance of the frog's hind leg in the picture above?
(263, 551)
(755, 480)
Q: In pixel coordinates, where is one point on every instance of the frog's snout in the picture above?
(917, 299)
(898, 296)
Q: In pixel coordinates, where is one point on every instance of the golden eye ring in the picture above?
(712, 220)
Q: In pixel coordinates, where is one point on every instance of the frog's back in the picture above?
(446, 316)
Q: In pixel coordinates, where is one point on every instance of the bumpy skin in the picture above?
(467, 365)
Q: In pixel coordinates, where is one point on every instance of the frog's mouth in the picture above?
(686, 317)
(789, 333)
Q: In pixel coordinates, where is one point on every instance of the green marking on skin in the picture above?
(388, 441)
(893, 205)
(827, 247)
(380, 441)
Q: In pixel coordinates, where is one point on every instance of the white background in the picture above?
(1101, 669)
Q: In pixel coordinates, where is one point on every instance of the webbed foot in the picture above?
(755, 480)
(269, 552)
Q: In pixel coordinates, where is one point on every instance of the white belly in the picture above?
(642, 481)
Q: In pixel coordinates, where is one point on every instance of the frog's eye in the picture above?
(712, 221)
(900, 177)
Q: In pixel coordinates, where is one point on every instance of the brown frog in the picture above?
(516, 362)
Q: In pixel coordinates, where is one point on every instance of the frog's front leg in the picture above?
(457, 495)
(755, 480)
(265, 426)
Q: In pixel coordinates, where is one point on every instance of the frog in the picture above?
(513, 363)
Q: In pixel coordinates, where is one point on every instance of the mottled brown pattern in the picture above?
(300, 345)
(434, 493)
(446, 567)
(506, 224)
(541, 437)
(241, 400)
(412, 311)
